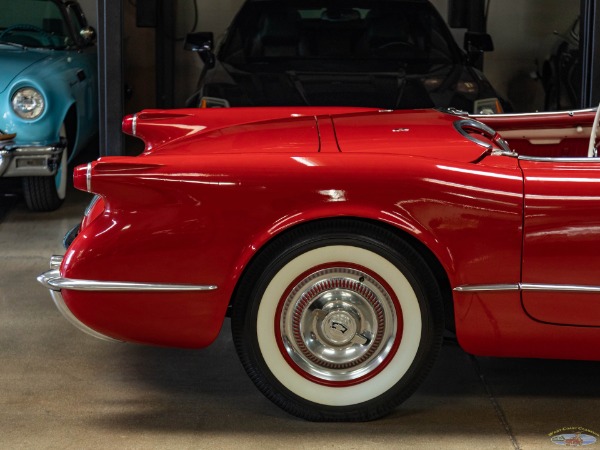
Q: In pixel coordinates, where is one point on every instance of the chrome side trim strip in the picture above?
(487, 287)
(540, 287)
(544, 113)
(67, 314)
(582, 159)
(53, 281)
(559, 288)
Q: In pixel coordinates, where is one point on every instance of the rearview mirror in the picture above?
(88, 34)
(203, 44)
(478, 42)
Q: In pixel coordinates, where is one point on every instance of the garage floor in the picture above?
(60, 388)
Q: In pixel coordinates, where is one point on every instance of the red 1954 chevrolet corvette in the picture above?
(342, 243)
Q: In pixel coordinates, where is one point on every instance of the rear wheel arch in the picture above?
(71, 123)
(311, 386)
(434, 264)
(438, 270)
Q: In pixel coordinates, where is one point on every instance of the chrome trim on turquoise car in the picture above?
(29, 160)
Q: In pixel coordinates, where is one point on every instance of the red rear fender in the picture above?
(156, 127)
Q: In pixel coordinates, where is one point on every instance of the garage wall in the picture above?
(89, 8)
(523, 33)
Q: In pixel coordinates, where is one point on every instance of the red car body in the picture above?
(511, 237)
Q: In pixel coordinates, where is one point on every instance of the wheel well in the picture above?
(71, 125)
(434, 264)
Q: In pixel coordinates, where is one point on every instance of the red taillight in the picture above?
(129, 124)
(82, 177)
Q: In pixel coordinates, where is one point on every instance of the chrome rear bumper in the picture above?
(53, 281)
(54, 274)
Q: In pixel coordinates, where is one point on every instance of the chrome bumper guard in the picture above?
(54, 274)
(55, 283)
(29, 160)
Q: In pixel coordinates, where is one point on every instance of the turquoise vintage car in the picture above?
(48, 94)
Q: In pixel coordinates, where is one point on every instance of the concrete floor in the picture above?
(61, 389)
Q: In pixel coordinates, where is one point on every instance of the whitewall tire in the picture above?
(339, 320)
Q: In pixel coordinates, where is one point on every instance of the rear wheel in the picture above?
(48, 193)
(338, 321)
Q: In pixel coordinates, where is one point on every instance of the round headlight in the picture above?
(28, 103)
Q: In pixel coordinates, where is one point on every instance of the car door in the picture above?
(561, 242)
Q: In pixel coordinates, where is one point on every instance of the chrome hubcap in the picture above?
(338, 324)
(338, 327)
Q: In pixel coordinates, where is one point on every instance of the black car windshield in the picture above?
(33, 23)
(348, 30)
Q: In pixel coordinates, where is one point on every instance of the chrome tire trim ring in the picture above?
(338, 324)
(367, 387)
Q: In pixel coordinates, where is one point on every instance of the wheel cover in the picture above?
(338, 325)
(324, 392)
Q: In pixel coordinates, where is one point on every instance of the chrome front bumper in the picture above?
(26, 161)
(53, 281)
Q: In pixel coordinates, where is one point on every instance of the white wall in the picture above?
(90, 10)
(523, 32)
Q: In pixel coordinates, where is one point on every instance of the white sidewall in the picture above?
(349, 395)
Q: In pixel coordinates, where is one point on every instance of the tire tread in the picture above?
(40, 194)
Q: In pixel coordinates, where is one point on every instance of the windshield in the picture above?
(349, 30)
(33, 23)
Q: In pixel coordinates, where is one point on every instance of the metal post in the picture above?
(110, 76)
(165, 54)
(477, 15)
(589, 47)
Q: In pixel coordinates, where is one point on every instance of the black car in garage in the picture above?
(392, 54)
